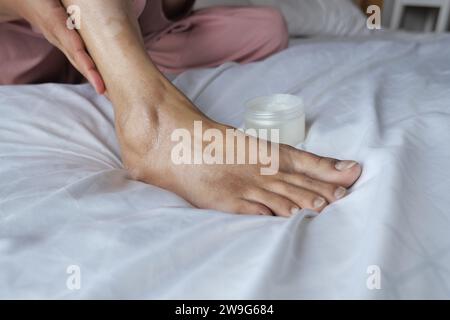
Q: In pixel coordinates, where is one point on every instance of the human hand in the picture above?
(50, 17)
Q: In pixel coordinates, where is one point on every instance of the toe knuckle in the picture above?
(309, 182)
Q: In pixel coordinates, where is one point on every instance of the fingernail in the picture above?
(340, 192)
(295, 210)
(319, 202)
(344, 165)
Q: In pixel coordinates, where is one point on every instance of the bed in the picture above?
(66, 203)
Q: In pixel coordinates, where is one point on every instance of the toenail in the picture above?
(340, 192)
(295, 210)
(344, 165)
(319, 202)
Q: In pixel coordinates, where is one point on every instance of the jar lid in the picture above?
(275, 107)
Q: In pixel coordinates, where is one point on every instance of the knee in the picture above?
(272, 29)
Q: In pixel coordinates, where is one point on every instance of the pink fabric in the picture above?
(204, 38)
(139, 6)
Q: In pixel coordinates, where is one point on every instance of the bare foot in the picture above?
(304, 180)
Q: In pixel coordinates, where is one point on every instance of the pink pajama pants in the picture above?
(204, 38)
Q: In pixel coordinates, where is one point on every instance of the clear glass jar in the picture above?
(284, 112)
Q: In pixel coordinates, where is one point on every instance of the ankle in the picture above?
(136, 89)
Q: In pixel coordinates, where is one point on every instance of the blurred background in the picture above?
(417, 15)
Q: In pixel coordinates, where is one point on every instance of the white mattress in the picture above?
(66, 200)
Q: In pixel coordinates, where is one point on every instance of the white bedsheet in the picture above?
(65, 199)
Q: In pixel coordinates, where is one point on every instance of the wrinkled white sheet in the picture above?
(65, 199)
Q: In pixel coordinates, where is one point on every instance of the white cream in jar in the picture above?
(284, 112)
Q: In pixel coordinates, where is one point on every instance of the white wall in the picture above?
(387, 12)
(414, 19)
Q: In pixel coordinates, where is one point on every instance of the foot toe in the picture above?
(342, 173)
(278, 204)
(304, 198)
(251, 208)
(329, 191)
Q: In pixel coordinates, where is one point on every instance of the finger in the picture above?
(74, 49)
(70, 42)
(86, 66)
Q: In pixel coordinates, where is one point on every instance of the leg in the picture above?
(148, 109)
(246, 34)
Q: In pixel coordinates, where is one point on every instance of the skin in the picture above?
(148, 108)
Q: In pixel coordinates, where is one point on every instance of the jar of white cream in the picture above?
(284, 112)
